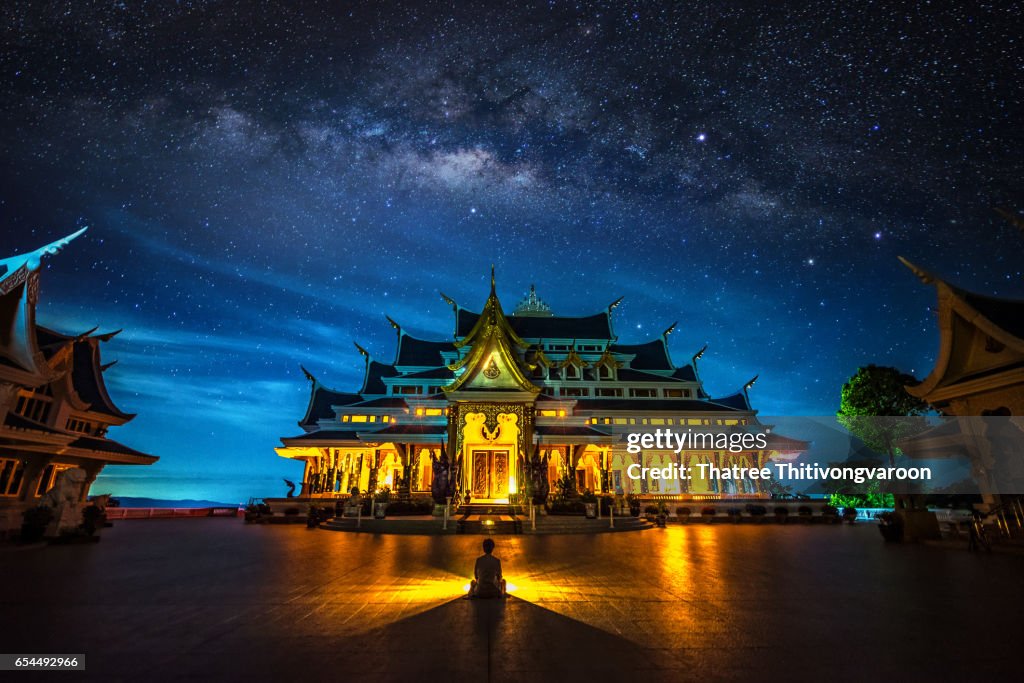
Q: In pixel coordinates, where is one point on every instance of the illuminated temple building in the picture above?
(54, 407)
(508, 388)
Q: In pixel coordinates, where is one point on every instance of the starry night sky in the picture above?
(264, 181)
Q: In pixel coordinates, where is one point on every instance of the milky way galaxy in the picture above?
(264, 181)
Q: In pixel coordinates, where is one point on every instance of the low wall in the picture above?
(161, 513)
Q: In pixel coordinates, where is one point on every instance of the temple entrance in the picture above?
(490, 475)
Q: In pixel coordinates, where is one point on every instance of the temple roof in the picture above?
(433, 373)
(324, 435)
(320, 401)
(375, 372)
(596, 326)
(1006, 314)
(532, 305)
(739, 401)
(91, 443)
(687, 373)
(87, 379)
(19, 288)
(969, 322)
(629, 375)
(420, 352)
(652, 355)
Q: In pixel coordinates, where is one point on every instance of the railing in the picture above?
(167, 513)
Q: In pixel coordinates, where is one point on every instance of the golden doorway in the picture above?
(490, 475)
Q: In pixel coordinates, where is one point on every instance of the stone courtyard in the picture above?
(214, 599)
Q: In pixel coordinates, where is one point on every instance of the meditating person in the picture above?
(487, 581)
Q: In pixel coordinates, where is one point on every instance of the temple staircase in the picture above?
(489, 518)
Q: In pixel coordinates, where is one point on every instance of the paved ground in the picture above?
(214, 599)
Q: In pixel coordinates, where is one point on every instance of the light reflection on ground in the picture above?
(217, 599)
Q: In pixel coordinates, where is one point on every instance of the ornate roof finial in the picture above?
(34, 259)
(612, 305)
(922, 274)
(362, 351)
(670, 328)
(531, 305)
(109, 335)
(308, 374)
(448, 300)
(107, 366)
(394, 324)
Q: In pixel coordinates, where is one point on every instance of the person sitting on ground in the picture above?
(487, 581)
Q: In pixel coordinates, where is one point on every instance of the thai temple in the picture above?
(978, 378)
(55, 410)
(508, 393)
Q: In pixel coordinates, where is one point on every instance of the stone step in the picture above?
(557, 524)
(469, 509)
(489, 526)
(389, 526)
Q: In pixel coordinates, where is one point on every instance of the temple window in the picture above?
(572, 372)
(11, 473)
(80, 426)
(33, 408)
(49, 476)
(643, 393)
(602, 391)
(575, 391)
(605, 372)
(407, 389)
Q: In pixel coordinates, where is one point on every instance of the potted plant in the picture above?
(633, 502)
(708, 512)
(781, 514)
(380, 503)
(683, 514)
(589, 504)
(849, 514)
(662, 516)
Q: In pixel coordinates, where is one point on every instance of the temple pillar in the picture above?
(374, 464)
(605, 463)
(405, 452)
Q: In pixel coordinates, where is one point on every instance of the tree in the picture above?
(876, 407)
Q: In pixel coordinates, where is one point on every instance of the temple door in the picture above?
(490, 474)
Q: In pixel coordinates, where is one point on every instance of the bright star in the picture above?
(701, 137)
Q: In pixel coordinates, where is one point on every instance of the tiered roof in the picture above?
(528, 349)
(65, 369)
